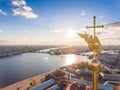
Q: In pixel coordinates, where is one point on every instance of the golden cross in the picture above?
(94, 26)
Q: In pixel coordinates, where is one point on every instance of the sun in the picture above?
(70, 34)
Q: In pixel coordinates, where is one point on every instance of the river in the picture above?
(20, 67)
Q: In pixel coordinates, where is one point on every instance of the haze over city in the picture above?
(57, 21)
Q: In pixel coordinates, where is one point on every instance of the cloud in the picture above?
(18, 2)
(22, 12)
(83, 13)
(100, 17)
(2, 12)
(111, 31)
(22, 9)
(112, 28)
(57, 30)
(116, 24)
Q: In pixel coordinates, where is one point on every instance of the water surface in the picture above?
(20, 67)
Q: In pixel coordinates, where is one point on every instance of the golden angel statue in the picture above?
(93, 43)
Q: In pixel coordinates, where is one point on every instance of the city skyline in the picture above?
(58, 21)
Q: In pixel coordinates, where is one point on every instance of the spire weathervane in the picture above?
(95, 46)
(95, 62)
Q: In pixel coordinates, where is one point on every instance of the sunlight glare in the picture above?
(70, 34)
(69, 59)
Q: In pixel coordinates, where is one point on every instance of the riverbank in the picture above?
(6, 51)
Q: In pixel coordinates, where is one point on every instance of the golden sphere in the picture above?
(95, 63)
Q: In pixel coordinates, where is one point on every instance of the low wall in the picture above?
(27, 83)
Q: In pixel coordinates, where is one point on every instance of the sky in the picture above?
(57, 22)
